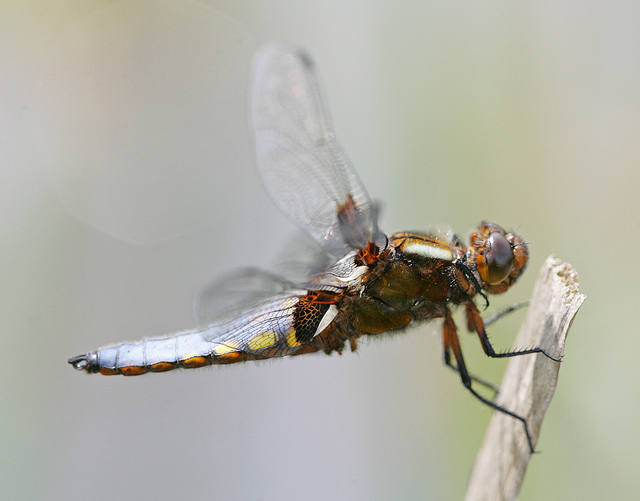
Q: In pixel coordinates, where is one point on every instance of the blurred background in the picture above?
(127, 184)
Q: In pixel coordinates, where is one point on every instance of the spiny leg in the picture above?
(450, 335)
(475, 323)
(449, 363)
(494, 318)
(497, 316)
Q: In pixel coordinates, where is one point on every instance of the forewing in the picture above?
(304, 169)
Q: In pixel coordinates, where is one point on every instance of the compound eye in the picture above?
(495, 263)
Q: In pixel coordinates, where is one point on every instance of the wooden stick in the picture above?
(528, 385)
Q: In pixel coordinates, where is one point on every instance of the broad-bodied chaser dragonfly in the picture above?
(373, 283)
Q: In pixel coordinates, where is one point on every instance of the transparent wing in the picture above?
(263, 329)
(233, 295)
(302, 258)
(237, 292)
(303, 167)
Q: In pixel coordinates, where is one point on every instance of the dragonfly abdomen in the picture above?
(280, 327)
(189, 351)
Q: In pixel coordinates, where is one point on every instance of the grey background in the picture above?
(127, 184)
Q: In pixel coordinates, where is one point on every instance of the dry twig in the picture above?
(528, 385)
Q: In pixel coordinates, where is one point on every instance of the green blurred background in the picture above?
(127, 183)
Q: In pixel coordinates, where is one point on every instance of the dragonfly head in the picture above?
(499, 257)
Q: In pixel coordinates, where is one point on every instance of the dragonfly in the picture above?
(364, 283)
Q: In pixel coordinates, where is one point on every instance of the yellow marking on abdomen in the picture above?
(262, 340)
(108, 372)
(162, 367)
(195, 362)
(224, 348)
(229, 358)
(133, 370)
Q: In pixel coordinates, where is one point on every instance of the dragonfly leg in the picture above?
(450, 335)
(502, 313)
(475, 379)
(475, 322)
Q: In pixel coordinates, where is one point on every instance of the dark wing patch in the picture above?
(278, 327)
(310, 311)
